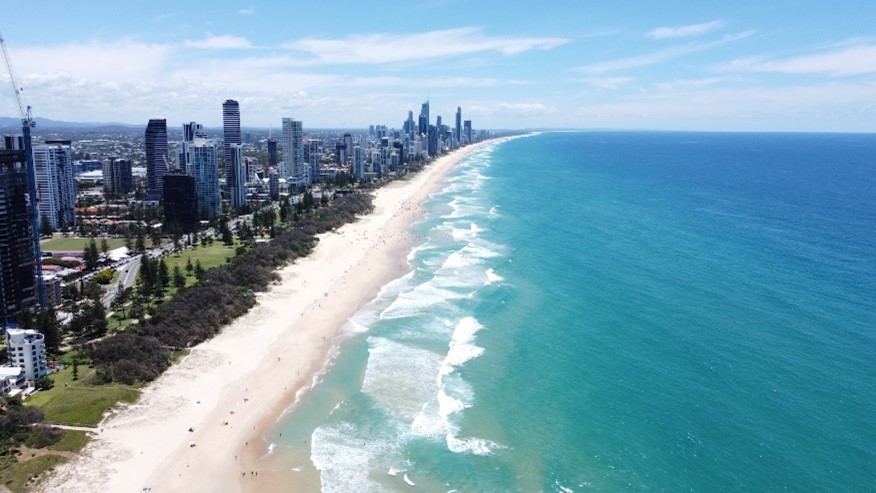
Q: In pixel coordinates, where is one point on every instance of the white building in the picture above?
(56, 187)
(11, 378)
(27, 350)
(293, 153)
(358, 163)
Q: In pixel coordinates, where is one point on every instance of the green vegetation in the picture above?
(79, 402)
(20, 476)
(76, 243)
(84, 405)
(72, 441)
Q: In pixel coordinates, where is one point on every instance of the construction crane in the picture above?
(26, 124)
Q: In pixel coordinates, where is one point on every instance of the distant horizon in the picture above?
(750, 66)
(218, 128)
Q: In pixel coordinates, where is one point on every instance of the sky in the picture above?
(746, 65)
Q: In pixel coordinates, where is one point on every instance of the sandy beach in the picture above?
(199, 426)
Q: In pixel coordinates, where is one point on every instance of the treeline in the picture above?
(223, 294)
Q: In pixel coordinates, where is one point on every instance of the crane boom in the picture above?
(15, 89)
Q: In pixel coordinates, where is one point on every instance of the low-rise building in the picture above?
(27, 350)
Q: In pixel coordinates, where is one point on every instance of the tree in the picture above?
(90, 256)
(104, 246)
(179, 279)
(47, 324)
(141, 242)
(45, 226)
(189, 266)
(44, 383)
(199, 271)
(155, 236)
(163, 276)
(121, 299)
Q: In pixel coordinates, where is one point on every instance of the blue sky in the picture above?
(675, 65)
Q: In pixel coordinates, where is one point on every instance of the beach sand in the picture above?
(231, 389)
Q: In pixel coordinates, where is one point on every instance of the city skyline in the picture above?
(678, 66)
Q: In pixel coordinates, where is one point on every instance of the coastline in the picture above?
(227, 390)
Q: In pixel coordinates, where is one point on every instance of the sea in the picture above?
(613, 312)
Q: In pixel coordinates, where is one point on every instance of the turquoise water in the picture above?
(619, 312)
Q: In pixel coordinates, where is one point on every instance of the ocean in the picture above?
(617, 311)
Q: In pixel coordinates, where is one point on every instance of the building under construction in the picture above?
(17, 254)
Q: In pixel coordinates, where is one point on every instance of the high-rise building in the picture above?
(293, 153)
(423, 126)
(238, 169)
(466, 131)
(180, 202)
(272, 152)
(17, 251)
(274, 185)
(204, 167)
(231, 126)
(156, 156)
(56, 189)
(312, 152)
(458, 129)
(358, 163)
(118, 178)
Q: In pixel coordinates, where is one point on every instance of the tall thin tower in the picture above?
(231, 125)
(156, 157)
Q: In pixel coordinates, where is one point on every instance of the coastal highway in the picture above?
(127, 275)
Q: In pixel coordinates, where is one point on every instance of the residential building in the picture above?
(466, 131)
(204, 167)
(293, 153)
(358, 163)
(180, 202)
(27, 350)
(118, 177)
(237, 189)
(56, 188)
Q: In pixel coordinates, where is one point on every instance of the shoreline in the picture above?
(228, 389)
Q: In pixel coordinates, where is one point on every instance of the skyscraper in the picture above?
(156, 157)
(180, 202)
(238, 169)
(17, 254)
(204, 167)
(466, 131)
(231, 126)
(423, 122)
(272, 152)
(56, 189)
(458, 128)
(293, 152)
(358, 168)
(118, 178)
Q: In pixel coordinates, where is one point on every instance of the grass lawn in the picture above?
(78, 243)
(17, 476)
(210, 256)
(80, 403)
(84, 405)
(72, 441)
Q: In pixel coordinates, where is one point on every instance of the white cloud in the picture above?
(224, 42)
(246, 11)
(852, 60)
(659, 56)
(389, 48)
(607, 83)
(688, 31)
